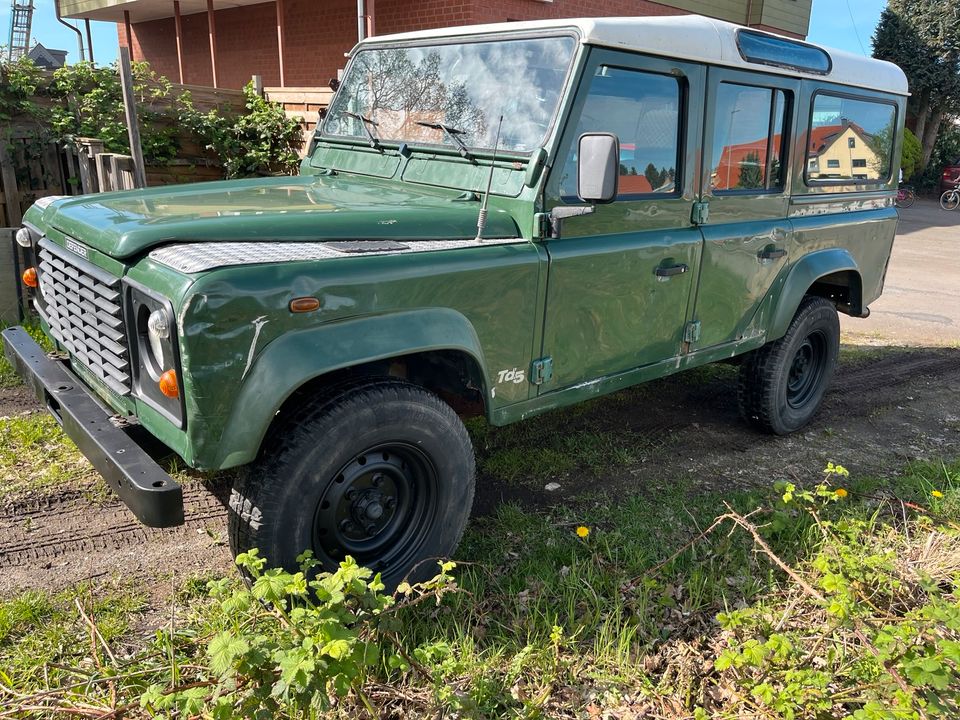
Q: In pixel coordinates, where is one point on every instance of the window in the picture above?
(769, 50)
(749, 142)
(643, 109)
(837, 125)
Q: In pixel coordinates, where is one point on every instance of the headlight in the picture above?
(23, 238)
(158, 330)
(154, 351)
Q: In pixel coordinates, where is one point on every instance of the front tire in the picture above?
(782, 384)
(950, 200)
(382, 471)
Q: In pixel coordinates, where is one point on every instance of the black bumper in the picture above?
(153, 496)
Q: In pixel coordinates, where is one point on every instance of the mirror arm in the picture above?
(561, 212)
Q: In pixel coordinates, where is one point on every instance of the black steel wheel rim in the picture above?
(378, 508)
(807, 370)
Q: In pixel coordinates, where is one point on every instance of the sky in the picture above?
(844, 24)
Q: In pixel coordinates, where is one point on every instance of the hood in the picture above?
(295, 209)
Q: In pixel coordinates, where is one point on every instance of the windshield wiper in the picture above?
(452, 133)
(365, 122)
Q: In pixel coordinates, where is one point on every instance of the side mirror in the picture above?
(598, 167)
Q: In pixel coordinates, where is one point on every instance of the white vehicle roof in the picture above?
(689, 37)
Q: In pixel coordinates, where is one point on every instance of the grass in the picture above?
(549, 624)
(36, 454)
(631, 619)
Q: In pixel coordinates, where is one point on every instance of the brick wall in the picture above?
(317, 34)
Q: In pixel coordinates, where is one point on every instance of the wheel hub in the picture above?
(372, 507)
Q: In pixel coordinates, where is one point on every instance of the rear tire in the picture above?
(782, 384)
(382, 471)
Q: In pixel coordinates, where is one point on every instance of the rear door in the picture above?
(621, 280)
(747, 237)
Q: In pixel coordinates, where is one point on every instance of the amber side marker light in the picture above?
(168, 384)
(304, 304)
(29, 277)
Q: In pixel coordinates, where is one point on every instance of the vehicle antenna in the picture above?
(482, 217)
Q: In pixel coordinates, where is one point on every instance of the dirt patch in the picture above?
(17, 400)
(886, 408)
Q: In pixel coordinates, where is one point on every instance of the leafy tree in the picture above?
(912, 155)
(923, 38)
(751, 175)
(652, 175)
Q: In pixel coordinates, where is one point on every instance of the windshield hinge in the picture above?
(701, 213)
(541, 371)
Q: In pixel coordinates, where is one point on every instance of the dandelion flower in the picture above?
(583, 531)
(937, 494)
(840, 493)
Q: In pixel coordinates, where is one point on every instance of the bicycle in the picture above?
(950, 199)
(906, 196)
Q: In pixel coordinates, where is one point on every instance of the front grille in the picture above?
(82, 306)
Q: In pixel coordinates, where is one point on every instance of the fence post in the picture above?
(257, 81)
(10, 191)
(130, 109)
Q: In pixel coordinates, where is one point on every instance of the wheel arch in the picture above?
(832, 274)
(436, 348)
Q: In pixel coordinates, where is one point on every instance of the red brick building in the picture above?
(302, 42)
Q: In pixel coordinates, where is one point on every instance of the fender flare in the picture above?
(806, 272)
(296, 358)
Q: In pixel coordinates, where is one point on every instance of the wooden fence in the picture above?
(303, 104)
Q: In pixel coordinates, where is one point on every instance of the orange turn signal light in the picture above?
(304, 304)
(168, 384)
(29, 277)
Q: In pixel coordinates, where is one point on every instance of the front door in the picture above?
(747, 236)
(620, 280)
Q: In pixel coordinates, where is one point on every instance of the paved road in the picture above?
(920, 304)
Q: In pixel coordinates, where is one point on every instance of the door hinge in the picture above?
(541, 371)
(701, 213)
(691, 333)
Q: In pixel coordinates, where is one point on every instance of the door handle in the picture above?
(771, 254)
(671, 270)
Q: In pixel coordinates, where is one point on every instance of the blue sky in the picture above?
(830, 24)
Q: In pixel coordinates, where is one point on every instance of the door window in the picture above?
(643, 109)
(749, 142)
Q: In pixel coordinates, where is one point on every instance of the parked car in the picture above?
(950, 176)
(498, 220)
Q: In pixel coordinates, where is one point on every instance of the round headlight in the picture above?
(158, 330)
(23, 237)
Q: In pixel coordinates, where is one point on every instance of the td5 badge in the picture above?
(515, 376)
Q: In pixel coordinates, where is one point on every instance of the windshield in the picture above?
(465, 87)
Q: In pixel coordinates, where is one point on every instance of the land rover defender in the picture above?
(496, 220)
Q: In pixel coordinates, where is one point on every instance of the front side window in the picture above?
(643, 110)
(850, 140)
(402, 91)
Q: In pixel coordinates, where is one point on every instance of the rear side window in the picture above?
(749, 141)
(850, 140)
(643, 109)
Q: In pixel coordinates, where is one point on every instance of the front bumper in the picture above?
(153, 496)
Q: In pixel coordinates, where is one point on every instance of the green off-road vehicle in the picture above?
(652, 194)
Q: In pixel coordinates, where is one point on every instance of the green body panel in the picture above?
(286, 208)
(589, 299)
(607, 311)
(742, 224)
(237, 331)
